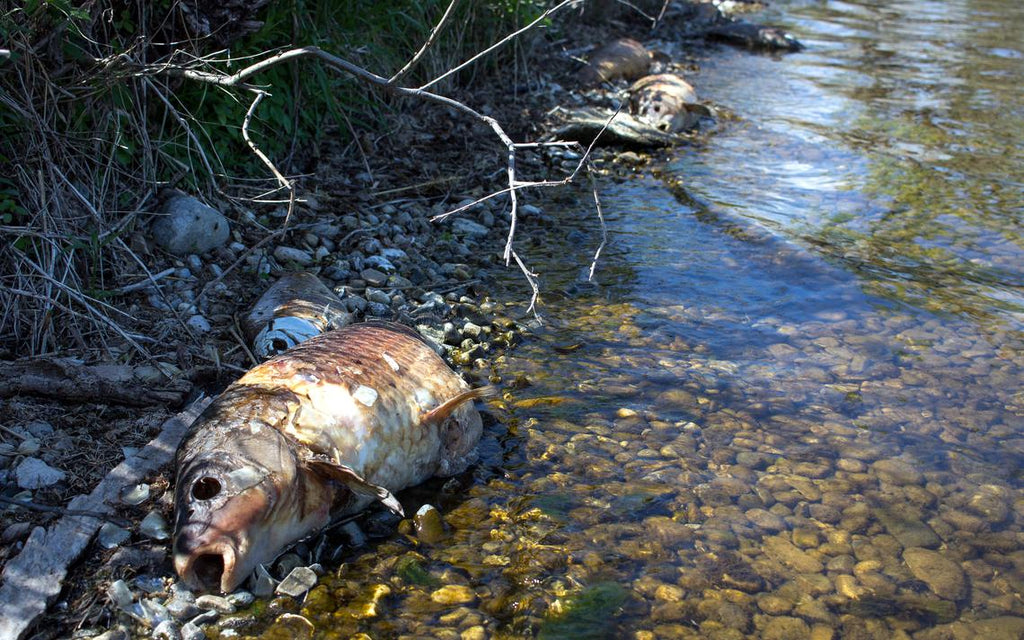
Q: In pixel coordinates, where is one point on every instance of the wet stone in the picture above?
(789, 555)
(111, 536)
(453, 594)
(898, 471)
(785, 628)
(190, 631)
(909, 530)
(241, 598)
(429, 524)
(766, 520)
(943, 576)
(219, 604)
(298, 582)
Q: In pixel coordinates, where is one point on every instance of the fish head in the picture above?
(238, 506)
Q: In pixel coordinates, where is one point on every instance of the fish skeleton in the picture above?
(337, 422)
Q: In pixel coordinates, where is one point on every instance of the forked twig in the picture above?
(427, 44)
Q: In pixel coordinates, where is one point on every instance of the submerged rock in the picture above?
(943, 576)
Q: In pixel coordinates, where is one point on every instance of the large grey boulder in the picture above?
(189, 226)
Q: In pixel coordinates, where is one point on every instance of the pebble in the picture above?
(380, 264)
(29, 447)
(785, 628)
(766, 520)
(33, 474)
(898, 471)
(466, 227)
(788, 554)
(111, 536)
(199, 323)
(429, 524)
(241, 598)
(220, 604)
(301, 257)
(298, 582)
(262, 584)
(453, 594)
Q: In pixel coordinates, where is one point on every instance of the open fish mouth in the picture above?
(209, 568)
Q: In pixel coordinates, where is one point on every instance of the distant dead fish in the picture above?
(666, 102)
(623, 58)
(755, 36)
(339, 421)
(295, 308)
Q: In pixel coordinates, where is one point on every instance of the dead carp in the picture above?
(295, 308)
(666, 102)
(335, 423)
(624, 58)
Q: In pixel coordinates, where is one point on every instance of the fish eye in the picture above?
(205, 488)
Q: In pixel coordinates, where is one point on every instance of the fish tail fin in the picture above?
(445, 409)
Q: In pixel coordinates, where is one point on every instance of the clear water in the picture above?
(791, 404)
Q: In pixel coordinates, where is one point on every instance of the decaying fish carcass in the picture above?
(339, 421)
(295, 308)
(666, 102)
(623, 58)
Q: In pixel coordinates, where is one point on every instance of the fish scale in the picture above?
(338, 421)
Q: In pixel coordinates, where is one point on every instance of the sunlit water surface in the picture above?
(791, 405)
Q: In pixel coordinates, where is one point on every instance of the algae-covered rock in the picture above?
(587, 615)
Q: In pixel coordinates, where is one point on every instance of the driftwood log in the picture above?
(33, 579)
(70, 380)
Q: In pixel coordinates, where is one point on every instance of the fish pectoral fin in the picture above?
(347, 476)
(445, 409)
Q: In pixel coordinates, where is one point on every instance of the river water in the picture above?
(790, 404)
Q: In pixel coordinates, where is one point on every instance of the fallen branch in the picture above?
(242, 77)
(71, 381)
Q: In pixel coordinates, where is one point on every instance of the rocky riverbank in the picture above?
(363, 225)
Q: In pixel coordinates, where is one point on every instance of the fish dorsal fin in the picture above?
(445, 409)
(347, 476)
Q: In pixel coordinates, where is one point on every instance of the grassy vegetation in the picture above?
(93, 122)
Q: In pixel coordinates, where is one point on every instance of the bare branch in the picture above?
(426, 45)
(284, 182)
(544, 16)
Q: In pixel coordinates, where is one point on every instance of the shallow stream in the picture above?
(791, 406)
